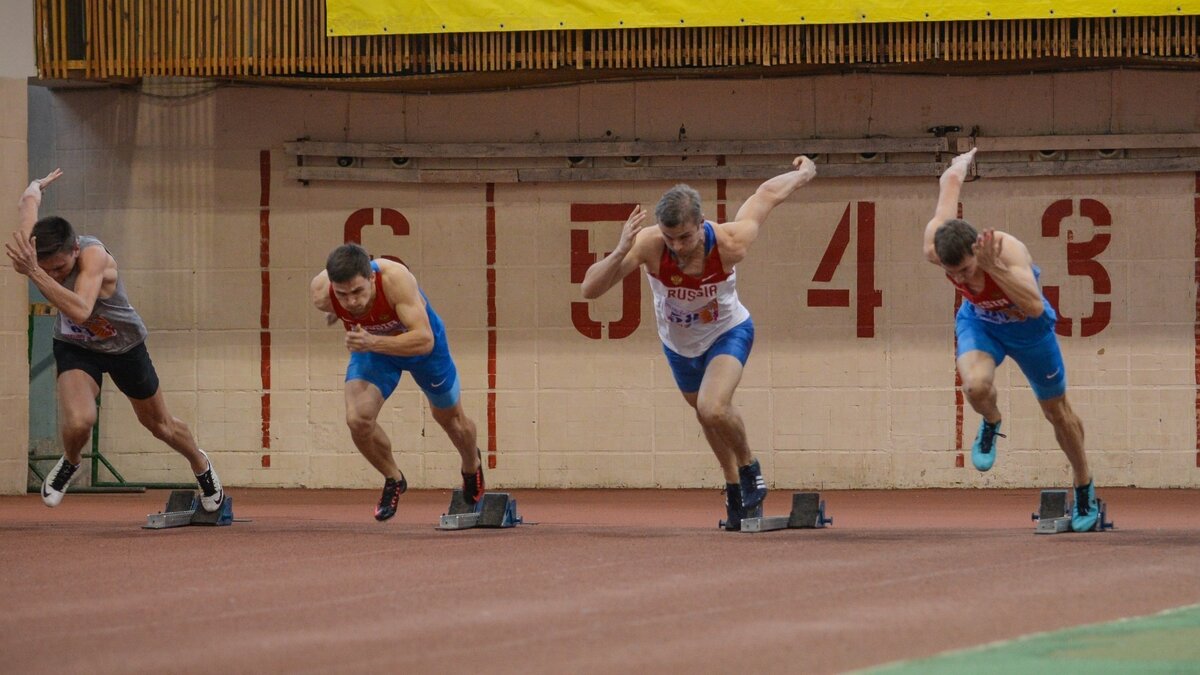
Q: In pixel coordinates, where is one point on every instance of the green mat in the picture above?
(1162, 643)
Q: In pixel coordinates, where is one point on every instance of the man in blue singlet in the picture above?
(391, 328)
(705, 330)
(1004, 313)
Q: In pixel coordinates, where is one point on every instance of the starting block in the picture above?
(1054, 514)
(496, 509)
(183, 508)
(808, 512)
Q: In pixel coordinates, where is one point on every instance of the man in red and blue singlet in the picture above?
(1004, 313)
(391, 328)
(705, 330)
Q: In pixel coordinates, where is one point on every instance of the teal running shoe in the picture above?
(983, 453)
(1085, 512)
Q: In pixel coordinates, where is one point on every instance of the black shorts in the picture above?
(132, 372)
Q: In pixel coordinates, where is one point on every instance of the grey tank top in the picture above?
(114, 326)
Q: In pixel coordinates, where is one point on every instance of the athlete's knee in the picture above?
(359, 424)
(976, 388)
(713, 413)
(162, 430)
(75, 423)
(1059, 413)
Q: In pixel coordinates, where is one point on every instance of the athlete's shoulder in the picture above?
(649, 244)
(1014, 250)
(398, 280)
(95, 256)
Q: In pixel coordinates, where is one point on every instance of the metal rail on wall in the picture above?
(122, 39)
(1096, 154)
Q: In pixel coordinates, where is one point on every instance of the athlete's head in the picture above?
(351, 276)
(57, 246)
(954, 242)
(679, 218)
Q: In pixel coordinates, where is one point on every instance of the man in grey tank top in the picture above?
(97, 332)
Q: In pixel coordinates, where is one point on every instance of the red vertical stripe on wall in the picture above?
(721, 185)
(958, 393)
(491, 323)
(264, 261)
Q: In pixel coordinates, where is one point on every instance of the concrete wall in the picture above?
(173, 187)
(16, 64)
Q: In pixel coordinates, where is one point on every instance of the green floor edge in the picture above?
(1168, 642)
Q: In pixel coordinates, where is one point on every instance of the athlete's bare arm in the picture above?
(951, 184)
(743, 229)
(95, 267)
(31, 201)
(631, 251)
(1006, 259)
(400, 287)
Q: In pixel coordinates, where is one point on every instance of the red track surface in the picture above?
(608, 580)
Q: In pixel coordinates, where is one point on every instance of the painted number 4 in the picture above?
(867, 297)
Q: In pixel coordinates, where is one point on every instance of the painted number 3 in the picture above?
(1081, 261)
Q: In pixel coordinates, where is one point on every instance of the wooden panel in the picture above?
(1093, 142)
(620, 149)
(1088, 167)
(134, 38)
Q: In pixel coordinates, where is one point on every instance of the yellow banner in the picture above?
(383, 17)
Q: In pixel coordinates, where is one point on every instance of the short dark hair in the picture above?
(54, 235)
(679, 205)
(347, 262)
(953, 241)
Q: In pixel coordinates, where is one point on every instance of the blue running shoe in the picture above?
(983, 453)
(1085, 511)
(754, 488)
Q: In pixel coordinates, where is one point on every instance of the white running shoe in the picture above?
(55, 485)
(211, 494)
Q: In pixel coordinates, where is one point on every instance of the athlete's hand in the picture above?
(633, 225)
(359, 340)
(806, 167)
(35, 188)
(987, 248)
(23, 254)
(959, 166)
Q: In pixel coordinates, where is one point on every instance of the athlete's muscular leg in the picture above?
(77, 393)
(724, 456)
(722, 424)
(461, 430)
(363, 403)
(153, 414)
(1068, 429)
(978, 372)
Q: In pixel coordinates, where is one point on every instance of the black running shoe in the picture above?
(754, 488)
(392, 489)
(473, 483)
(733, 507)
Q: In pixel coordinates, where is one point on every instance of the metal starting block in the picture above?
(183, 508)
(1054, 514)
(496, 509)
(808, 512)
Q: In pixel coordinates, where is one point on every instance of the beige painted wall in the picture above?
(172, 186)
(16, 64)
